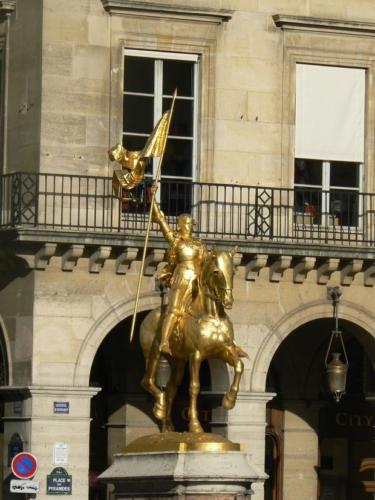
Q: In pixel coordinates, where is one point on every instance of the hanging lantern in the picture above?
(336, 368)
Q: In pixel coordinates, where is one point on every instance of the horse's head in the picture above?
(218, 275)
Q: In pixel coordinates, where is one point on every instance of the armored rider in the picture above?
(185, 258)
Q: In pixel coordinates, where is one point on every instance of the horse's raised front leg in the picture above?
(177, 373)
(232, 357)
(148, 383)
(194, 387)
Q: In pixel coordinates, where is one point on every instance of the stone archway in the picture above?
(100, 329)
(292, 320)
(320, 456)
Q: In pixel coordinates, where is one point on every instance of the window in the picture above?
(326, 192)
(329, 144)
(150, 79)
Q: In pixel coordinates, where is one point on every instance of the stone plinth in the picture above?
(219, 475)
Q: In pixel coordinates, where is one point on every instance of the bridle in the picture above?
(217, 292)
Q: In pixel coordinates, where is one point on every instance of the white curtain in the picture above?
(330, 110)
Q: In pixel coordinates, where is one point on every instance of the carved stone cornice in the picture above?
(70, 257)
(302, 267)
(24, 250)
(253, 267)
(349, 270)
(125, 259)
(98, 259)
(369, 275)
(154, 257)
(326, 268)
(43, 256)
(307, 23)
(166, 11)
(279, 266)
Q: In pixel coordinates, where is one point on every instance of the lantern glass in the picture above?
(336, 374)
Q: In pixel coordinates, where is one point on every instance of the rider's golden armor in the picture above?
(181, 274)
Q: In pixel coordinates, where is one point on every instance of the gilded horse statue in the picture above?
(203, 331)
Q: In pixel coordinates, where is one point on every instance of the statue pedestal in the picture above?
(193, 475)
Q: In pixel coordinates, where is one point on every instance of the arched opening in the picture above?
(320, 447)
(122, 410)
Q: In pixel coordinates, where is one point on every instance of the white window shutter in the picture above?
(330, 111)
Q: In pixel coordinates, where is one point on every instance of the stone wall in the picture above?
(24, 86)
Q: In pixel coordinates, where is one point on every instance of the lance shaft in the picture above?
(157, 179)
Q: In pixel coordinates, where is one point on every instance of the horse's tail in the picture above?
(241, 352)
(149, 329)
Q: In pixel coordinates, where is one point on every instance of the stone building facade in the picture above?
(79, 76)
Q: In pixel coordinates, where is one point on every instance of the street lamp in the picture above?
(336, 369)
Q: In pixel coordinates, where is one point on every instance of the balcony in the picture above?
(75, 217)
(223, 212)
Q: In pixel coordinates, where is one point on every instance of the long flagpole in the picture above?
(157, 179)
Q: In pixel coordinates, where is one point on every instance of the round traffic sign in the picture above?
(24, 465)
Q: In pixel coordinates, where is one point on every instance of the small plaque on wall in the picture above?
(61, 407)
(60, 454)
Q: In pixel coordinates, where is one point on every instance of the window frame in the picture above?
(326, 187)
(158, 57)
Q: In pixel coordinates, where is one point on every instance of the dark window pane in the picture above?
(175, 197)
(182, 120)
(307, 205)
(178, 75)
(308, 172)
(134, 142)
(139, 75)
(344, 174)
(344, 207)
(138, 114)
(178, 158)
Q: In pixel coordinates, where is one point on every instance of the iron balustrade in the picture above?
(232, 212)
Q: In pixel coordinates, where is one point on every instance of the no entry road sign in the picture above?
(24, 465)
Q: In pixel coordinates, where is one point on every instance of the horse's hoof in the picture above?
(160, 408)
(228, 402)
(195, 427)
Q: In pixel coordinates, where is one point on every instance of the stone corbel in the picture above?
(279, 266)
(43, 256)
(125, 259)
(253, 267)
(70, 257)
(350, 270)
(237, 259)
(369, 275)
(153, 258)
(325, 270)
(98, 259)
(303, 266)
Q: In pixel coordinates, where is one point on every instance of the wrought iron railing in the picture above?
(223, 211)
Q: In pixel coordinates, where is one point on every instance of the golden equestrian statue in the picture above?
(194, 325)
